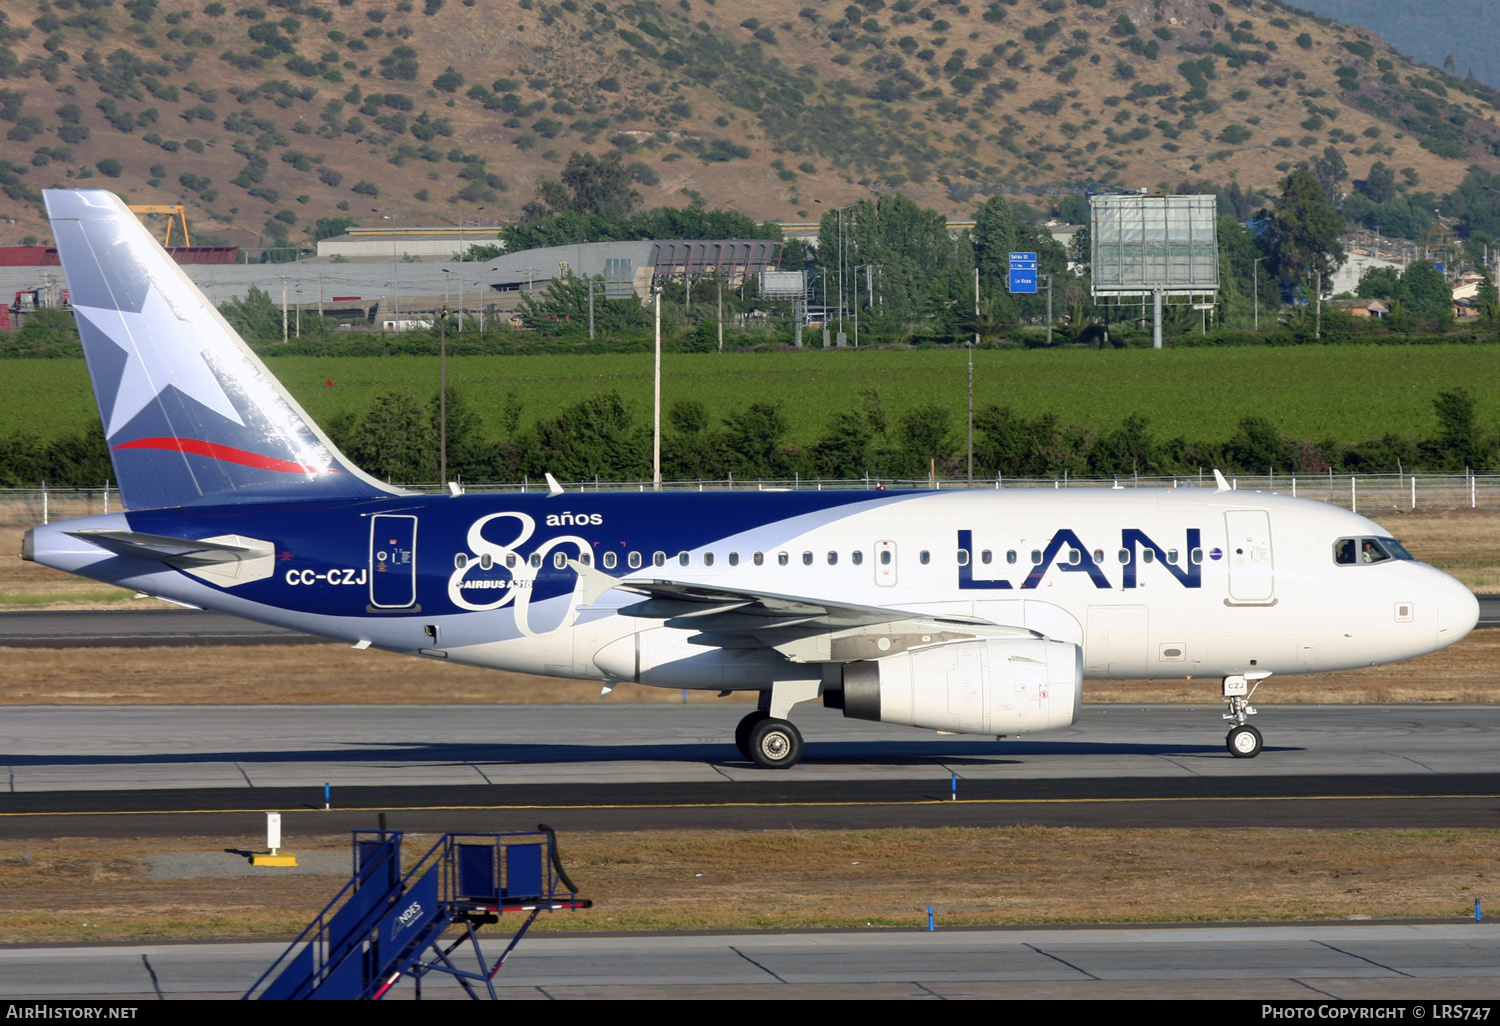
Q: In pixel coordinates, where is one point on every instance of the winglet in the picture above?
(591, 583)
(553, 488)
(1219, 480)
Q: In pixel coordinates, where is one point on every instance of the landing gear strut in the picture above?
(1243, 740)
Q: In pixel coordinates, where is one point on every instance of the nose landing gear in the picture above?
(1243, 740)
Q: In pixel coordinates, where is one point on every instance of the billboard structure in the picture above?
(1164, 247)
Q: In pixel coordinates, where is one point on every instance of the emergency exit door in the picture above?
(393, 561)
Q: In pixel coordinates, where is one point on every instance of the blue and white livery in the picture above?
(977, 612)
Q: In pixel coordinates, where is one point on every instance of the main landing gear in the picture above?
(766, 737)
(1243, 740)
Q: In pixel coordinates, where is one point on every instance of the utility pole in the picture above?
(1049, 309)
(591, 309)
(721, 315)
(1318, 317)
(283, 309)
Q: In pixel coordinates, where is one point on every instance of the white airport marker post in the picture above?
(273, 842)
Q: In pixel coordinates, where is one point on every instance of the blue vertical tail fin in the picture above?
(190, 413)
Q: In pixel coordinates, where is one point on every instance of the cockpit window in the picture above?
(1357, 551)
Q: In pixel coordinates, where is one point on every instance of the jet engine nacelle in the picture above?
(985, 686)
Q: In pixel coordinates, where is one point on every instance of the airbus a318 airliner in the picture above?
(977, 612)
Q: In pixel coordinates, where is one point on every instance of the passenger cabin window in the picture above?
(1010, 556)
(857, 557)
(1172, 556)
(986, 556)
(609, 560)
(806, 558)
(1148, 555)
(782, 559)
(885, 557)
(734, 559)
(1098, 555)
(963, 557)
(586, 558)
(460, 561)
(708, 559)
(1124, 556)
(1196, 556)
(658, 559)
(924, 557)
(833, 558)
(536, 559)
(486, 561)
(633, 560)
(1075, 557)
(758, 559)
(1036, 557)
(510, 559)
(559, 560)
(683, 559)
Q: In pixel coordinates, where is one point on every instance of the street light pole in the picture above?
(656, 398)
(1256, 268)
(443, 397)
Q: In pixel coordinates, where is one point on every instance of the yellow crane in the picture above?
(178, 210)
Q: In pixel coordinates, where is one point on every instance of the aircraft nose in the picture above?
(1458, 610)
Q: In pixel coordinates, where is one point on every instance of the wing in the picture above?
(804, 629)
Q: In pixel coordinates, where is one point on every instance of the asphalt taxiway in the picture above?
(142, 770)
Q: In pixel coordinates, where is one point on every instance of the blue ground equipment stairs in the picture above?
(386, 925)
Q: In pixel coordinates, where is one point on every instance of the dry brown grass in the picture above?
(733, 880)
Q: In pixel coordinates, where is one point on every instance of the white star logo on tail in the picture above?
(152, 364)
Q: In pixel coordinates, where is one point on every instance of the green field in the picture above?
(1348, 393)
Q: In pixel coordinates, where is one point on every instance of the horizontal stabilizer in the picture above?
(223, 560)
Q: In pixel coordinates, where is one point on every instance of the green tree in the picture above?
(752, 442)
(915, 265)
(1457, 445)
(395, 440)
(1379, 186)
(1256, 446)
(596, 437)
(1424, 291)
(923, 434)
(1487, 302)
(1378, 283)
(328, 227)
(592, 185)
(562, 308)
(1331, 173)
(255, 317)
(1128, 449)
(1302, 233)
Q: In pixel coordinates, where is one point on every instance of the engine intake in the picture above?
(983, 686)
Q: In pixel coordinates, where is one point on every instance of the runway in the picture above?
(138, 627)
(1275, 963)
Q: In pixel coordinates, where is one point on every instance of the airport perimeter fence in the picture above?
(1371, 494)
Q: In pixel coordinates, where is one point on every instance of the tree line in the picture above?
(604, 438)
